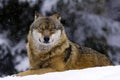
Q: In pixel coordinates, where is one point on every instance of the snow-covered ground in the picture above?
(97, 73)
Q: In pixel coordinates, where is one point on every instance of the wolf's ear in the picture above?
(57, 16)
(37, 14)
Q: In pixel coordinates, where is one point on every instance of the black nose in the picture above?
(46, 39)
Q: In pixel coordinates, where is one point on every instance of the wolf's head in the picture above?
(46, 31)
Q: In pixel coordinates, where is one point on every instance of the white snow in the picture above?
(48, 5)
(23, 61)
(31, 2)
(23, 65)
(19, 47)
(96, 73)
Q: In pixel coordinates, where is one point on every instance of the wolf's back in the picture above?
(87, 57)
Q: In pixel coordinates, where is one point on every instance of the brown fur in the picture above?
(65, 55)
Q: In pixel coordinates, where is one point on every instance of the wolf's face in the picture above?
(46, 37)
(46, 31)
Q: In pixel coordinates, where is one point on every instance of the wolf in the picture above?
(50, 50)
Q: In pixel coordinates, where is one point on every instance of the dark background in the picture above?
(92, 23)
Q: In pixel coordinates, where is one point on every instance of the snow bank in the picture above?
(97, 73)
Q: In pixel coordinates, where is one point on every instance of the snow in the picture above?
(23, 61)
(114, 40)
(23, 65)
(96, 73)
(48, 5)
(113, 9)
(1, 3)
(94, 23)
(31, 2)
(19, 47)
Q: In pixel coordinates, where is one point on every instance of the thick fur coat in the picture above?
(59, 53)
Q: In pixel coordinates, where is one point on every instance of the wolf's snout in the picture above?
(46, 39)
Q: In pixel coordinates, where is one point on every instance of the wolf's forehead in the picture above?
(47, 23)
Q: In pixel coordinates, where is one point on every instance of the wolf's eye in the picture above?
(53, 31)
(40, 29)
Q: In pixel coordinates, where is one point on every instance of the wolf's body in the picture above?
(50, 50)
